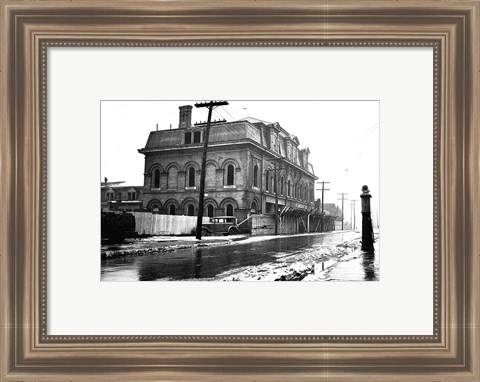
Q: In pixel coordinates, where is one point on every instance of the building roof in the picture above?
(225, 132)
(247, 130)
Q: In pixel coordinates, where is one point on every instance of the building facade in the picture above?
(244, 159)
(115, 196)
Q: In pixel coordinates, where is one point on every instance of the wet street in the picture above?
(209, 262)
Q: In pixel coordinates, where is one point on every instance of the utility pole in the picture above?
(354, 216)
(275, 188)
(343, 198)
(210, 105)
(323, 190)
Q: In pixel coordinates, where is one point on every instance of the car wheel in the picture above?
(205, 232)
(232, 231)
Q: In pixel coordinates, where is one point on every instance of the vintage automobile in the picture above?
(226, 225)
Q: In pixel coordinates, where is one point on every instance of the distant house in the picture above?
(115, 196)
(333, 210)
(244, 159)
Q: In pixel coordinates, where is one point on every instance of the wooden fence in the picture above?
(147, 223)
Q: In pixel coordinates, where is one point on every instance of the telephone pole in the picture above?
(210, 105)
(354, 216)
(275, 188)
(343, 199)
(323, 190)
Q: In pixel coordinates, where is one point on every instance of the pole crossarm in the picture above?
(211, 104)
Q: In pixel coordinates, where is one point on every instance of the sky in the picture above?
(343, 137)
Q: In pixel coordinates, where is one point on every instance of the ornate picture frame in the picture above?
(30, 27)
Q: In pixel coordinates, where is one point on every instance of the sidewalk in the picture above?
(359, 266)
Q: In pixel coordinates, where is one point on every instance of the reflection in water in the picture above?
(198, 263)
(208, 262)
(369, 266)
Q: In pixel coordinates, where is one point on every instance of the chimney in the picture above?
(305, 153)
(185, 121)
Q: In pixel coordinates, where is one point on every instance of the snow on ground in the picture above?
(298, 266)
(143, 246)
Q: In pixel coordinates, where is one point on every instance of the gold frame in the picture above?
(29, 27)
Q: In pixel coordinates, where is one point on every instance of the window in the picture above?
(155, 207)
(282, 180)
(171, 209)
(255, 176)
(289, 188)
(253, 210)
(267, 180)
(110, 195)
(230, 175)
(188, 138)
(132, 195)
(191, 177)
(191, 210)
(156, 178)
(229, 209)
(210, 211)
(197, 137)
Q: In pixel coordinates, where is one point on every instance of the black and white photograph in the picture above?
(233, 190)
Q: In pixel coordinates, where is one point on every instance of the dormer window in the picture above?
(193, 137)
(197, 137)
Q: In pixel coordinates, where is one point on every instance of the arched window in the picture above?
(191, 177)
(110, 195)
(255, 176)
(191, 210)
(171, 209)
(156, 178)
(289, 188)
(230, 175)
(229, 209)
(155, 207)
(282, 181)
(210, 211)
(254, 207)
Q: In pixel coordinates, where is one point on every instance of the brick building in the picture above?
(116, 196)
(239, 173)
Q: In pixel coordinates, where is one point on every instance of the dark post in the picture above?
(367, 229)
(201, 197)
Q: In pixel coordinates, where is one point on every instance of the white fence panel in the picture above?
(147, 223)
